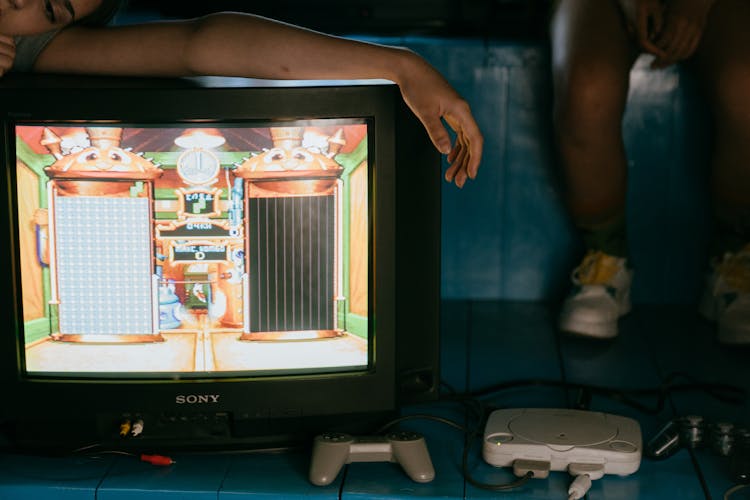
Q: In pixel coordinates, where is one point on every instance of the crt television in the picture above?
(212, 261)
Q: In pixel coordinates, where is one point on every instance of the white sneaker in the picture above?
(726, 298)
(600, 295)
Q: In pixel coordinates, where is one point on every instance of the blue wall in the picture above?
(506, 235)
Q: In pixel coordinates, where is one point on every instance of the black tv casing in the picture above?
(251, 412)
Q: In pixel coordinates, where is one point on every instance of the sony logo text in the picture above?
(192, 399)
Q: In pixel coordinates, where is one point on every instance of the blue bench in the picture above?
(506, 236)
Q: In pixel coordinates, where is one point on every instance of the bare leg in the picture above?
(591, 59)
(592, 55)
(723, 64)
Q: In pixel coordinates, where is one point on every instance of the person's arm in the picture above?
(644, 20)
(231, 44)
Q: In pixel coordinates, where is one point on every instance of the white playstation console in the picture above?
(576, 441)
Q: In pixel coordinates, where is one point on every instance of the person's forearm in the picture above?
(247, 45)
(231, 44)
(225, 44)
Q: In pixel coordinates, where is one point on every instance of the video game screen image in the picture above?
(194, 250)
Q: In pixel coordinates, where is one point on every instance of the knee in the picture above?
(588, 96)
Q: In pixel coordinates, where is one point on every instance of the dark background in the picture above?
(461, 18)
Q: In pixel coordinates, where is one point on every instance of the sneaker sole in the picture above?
(725, 334)
(590, 330)
(597, 330)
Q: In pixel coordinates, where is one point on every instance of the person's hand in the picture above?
(645, 21)
(7, 53)
(683, 28)
(431, 98)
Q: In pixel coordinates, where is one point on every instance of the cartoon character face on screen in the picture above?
(100, 158)
(296, 150)
(103, 154)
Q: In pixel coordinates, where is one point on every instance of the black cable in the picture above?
(474, 402)
(470, 434)
(487, 486)
(699, 473)
(722, 392)
(422, 416)
(734, 489)
(452, 390)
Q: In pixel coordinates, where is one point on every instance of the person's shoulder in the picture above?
(28, 48)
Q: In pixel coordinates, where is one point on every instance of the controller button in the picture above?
(403, 436)
(334, 437)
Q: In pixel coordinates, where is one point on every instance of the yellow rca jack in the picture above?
(125, 427)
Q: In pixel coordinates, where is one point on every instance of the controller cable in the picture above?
(470, 436)
(522, 469)
(734, 489)
(583, 474)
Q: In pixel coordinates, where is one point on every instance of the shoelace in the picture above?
(597, 268)
(735, 270)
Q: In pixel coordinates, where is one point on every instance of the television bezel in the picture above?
(285, 399)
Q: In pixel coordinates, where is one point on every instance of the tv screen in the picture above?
(163, 251)
(225, 261)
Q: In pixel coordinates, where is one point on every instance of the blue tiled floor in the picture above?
(485, 343)
(516, 341)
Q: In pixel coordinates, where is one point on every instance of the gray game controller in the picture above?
(331, 451)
